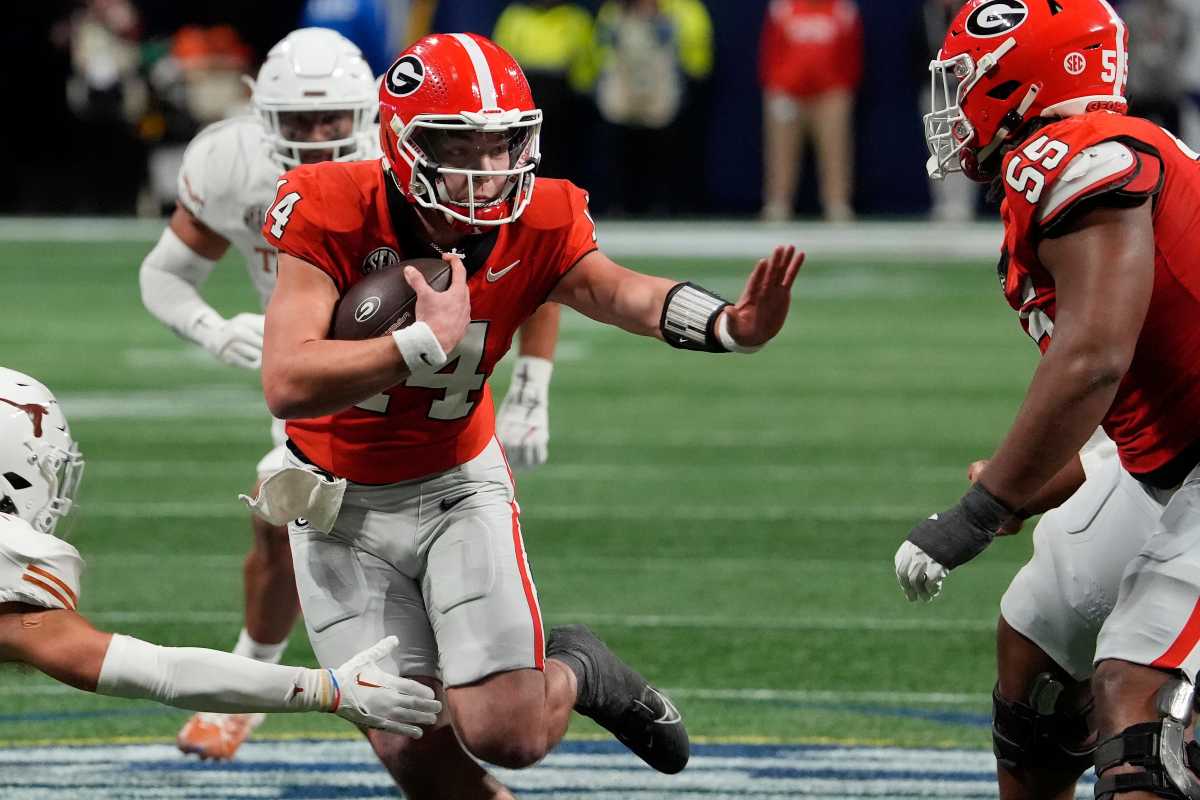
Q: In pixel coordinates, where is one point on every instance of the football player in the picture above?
(40, 467)
(316, 101)
(419, 532)
(1101, 260)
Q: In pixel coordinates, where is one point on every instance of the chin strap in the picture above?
(1013, 121)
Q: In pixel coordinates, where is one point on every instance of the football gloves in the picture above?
(523, 421)
(948, 540)
(367, 696)
(237, 341)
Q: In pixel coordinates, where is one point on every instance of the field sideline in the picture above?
(726, 523)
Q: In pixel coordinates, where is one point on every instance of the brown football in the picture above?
(383, 301)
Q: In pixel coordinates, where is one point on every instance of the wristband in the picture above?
(726, 338)
(689, 318)
(419, 347)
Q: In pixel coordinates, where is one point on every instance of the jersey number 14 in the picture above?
(457, 384)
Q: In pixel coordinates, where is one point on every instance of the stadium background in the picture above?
(727, 524)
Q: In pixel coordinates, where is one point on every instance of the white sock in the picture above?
(248, 648)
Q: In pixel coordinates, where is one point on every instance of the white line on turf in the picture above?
(575, 771)
(200, 509)
(879, 241)
(798, 623)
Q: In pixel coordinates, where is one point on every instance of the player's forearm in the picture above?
(1071, 391)
(324, 376)
(208, 680)
(169, 279)
(633, 303)
(539, 334)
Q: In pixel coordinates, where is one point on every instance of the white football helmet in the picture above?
(40, 464)
(316, 69)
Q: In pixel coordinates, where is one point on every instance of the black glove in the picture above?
(962, 532)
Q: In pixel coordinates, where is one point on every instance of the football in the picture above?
(383, 301)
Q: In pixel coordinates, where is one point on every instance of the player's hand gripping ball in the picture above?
(384, 302)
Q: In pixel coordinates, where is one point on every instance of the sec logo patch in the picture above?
(379, 258)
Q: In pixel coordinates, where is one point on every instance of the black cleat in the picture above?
(618, 698)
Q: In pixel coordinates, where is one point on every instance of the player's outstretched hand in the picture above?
(373, 698)
(763, 307)
(446, 313)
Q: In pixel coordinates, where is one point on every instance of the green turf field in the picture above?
(726, 523)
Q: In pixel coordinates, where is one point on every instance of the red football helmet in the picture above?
(1005, 62)
(459, 129)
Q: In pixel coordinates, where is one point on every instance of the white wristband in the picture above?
(419, 347)
(726, 339)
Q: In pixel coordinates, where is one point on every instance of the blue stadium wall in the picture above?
(890, 148)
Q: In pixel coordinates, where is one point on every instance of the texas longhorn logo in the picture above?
(997, 18)
(35, 411)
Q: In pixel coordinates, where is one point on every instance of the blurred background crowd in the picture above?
(664, 108)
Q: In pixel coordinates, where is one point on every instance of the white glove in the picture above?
(523, 421)
(237, 341)
(366, 695)
(919, 575)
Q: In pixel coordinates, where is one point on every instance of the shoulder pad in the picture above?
(218, 162)
(1128, 173)
(1094, 168)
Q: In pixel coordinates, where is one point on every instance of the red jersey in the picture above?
(809, 47)
(1113, 159)
(348, 220)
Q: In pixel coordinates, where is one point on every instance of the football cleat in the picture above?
(216, 736)
(610, 692)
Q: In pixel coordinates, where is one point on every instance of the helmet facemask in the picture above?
(43, 492)
(457, 160)
(953, 140)
(289, 152)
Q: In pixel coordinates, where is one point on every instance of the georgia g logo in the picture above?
(405, 76)
(366, 309)
(997, 18)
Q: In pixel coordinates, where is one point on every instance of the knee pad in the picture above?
(1037, 734)
(1169, 764)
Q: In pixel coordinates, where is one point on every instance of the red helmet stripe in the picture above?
(483, 73)
(1119, 81)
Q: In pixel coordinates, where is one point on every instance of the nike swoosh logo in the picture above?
(358, 679)
(670, 715)
(493, 275)
(450, 502)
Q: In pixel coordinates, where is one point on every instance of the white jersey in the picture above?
(37, 568)
(228, 181)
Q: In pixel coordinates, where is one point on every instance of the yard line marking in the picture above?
(594, 471)
(739, 695)
(196, 509)
(577, 770)
(937, 244)
(833, 624)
